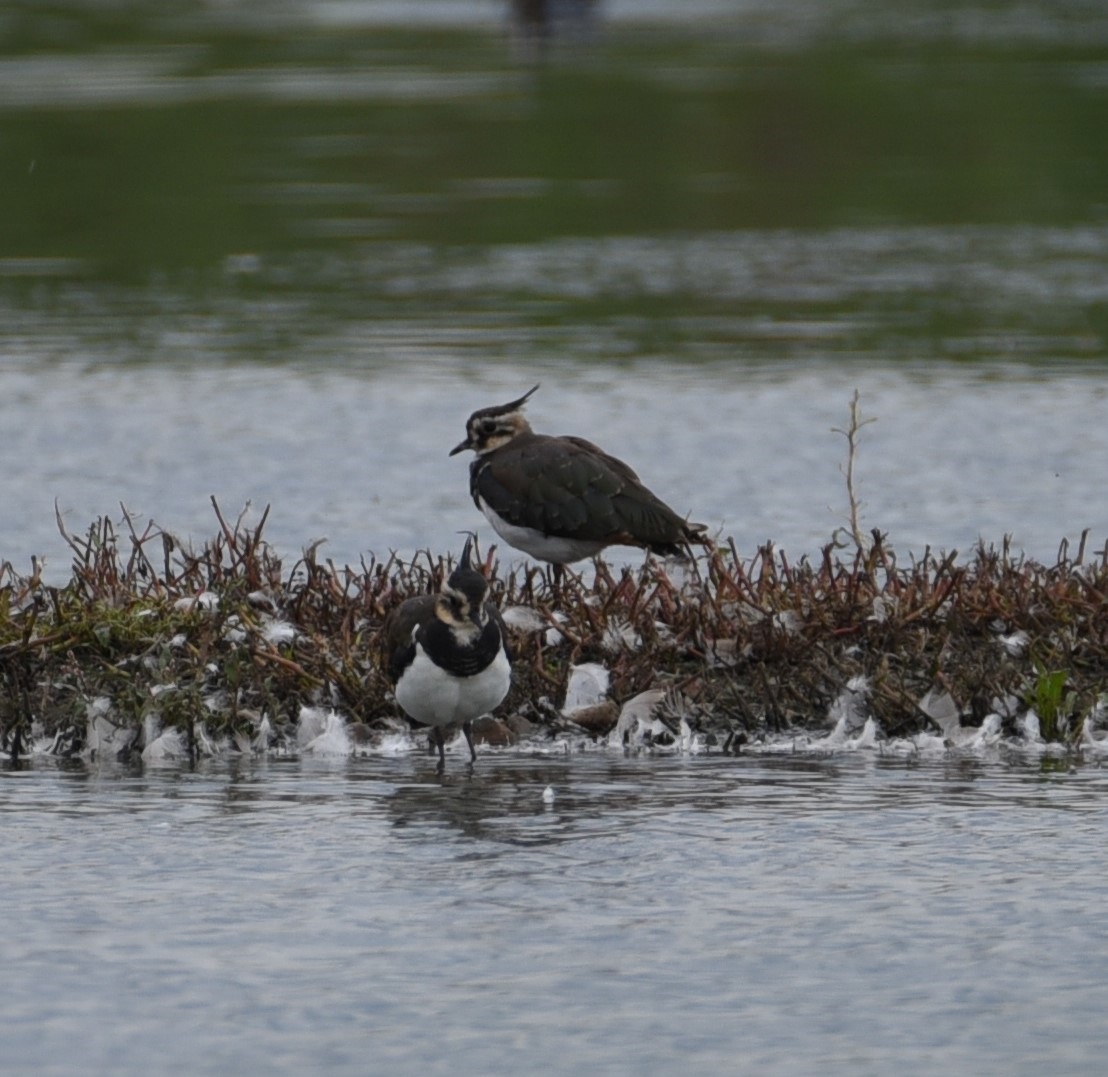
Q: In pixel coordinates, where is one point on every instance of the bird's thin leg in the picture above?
(436, 732)
(467, 729)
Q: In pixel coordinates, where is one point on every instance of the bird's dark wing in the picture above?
(645, 515)
(612, 463)
(397, 631)
(570, 488)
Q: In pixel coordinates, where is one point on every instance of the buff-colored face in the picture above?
(488, 434)
(491, 428)
(461, 602)
(463, 613)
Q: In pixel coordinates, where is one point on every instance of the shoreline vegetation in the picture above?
(156, 650)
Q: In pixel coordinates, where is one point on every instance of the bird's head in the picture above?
(492, 428)
(461, 602)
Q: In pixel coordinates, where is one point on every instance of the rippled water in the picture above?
(281, 263)
(360, 455)
(703, 914)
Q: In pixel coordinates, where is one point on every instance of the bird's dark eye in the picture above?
(488, 426)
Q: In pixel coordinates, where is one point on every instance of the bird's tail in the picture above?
(697, 535)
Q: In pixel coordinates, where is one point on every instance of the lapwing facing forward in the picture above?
(562, 499)
(447, 654)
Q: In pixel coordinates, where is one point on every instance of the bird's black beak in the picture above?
(460, 447)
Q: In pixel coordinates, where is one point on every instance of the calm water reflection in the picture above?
(704, 914)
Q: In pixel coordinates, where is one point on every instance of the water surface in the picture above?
(781, 915)
(279, 262)
(359, 455)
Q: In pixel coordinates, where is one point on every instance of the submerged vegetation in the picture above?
(156, 648)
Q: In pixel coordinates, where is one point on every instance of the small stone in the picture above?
(599, 720)
(493, 731)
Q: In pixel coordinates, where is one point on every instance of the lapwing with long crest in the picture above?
(448, 654)
(563, 499)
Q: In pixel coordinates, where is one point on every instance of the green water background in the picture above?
(288, 173)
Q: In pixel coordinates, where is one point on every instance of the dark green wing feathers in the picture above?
(570, 488)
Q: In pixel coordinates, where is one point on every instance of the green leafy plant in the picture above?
(1051, 701)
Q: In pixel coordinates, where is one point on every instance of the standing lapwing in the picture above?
(447, 654)
(562, 499)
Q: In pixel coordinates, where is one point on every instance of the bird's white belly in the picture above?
(558, 551)
(434, 697)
